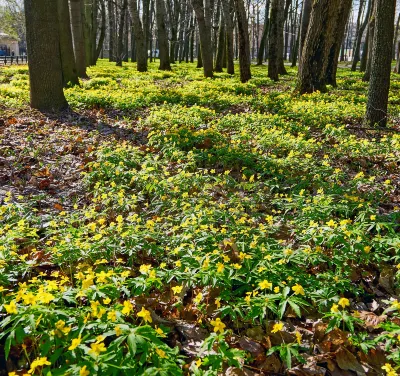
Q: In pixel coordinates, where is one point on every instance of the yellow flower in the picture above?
(390, 371)
(29, 298)
(335, 308)
(218, 325)
(298, 289)
(178, 263)
(38, 362)
(218, 303)
(344, 302)
(145, 314)
(160, 332)
(84, 372)
(237, 266)
(75, 343)
(265, 285)
(276, 289)
(97, 348)
(198, 298)
(107, 301)
(112, 316)
(277, 327)
(372, 217)
(118, 330)
(396, 304)
(11, 308)
(144, 269)
(161, 353)
(298, 337)
(128, 307)
(177, 289)
(220, 267)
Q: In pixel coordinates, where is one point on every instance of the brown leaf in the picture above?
(58, 207)
(348, 362)
(371, 320)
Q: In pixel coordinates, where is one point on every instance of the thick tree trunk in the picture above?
(371, 41)
(70, 75)
(264, 37)
(203, 16)
(244, 42)
(275, 38)
(162, 36)
(220, 47)
(338, 36)
(120, 46)
(111, 27)
(227, 11)
(281, 45)
(77, 37)
(305, 21)
(378, 94)
(317, 46)
(360, 34)
(140, 41)
(45, 74)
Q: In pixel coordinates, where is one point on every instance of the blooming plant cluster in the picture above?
(239, 208)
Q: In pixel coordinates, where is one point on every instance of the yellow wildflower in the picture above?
(277, 327)
(218, 325)
(298, 289)
(344, 302)
(265, 285)
(145, 314)
(75, 343)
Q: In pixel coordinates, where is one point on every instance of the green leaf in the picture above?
(132, 344)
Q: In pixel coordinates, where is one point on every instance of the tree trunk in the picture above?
(305, 21)
(244, 42)
(227, 11)
(396, 34)
(317, 46)
(261, 50)
(140, 41)
(220, 47)
(397, 68)
(120, 48)
(162, 36)
(70, 75)
(281, 44)
(378, 94)
(360, 34)
(43, 41)
(204, 22)
(77, 37)
(338, 35)
(102, 36)
(111, 27)
(126, 36)
(364, 56)
(275, 38)
(371, 41)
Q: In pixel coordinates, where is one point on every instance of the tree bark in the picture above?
(70, 75)
(162, 36)
(227, 11)
(264, 37)
(244, 42)
(317, 46)
(220, 47)
(140, 41)
(102, 36)
(77, 37)
(371, 32)
(111, 27)
(378, 94)
(43, 41)
(120, 46)
(397, 68)
(338, 36)
(203, 16)
(275, 39)
(396, 34)
(360, 34)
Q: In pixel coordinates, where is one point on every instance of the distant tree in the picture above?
(381, 63)
(43, 42)
(121, 28)
(359, 37)
(228, 11)
(140, 38)
(275, 49)
(220, 45)
(78, 37)
(264, 37)
(305, 21)
(244, 42)
(162, 36)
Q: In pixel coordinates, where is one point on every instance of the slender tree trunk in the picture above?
(261, 50)
(297, 44)
(203, 16)
(220, 47)
(162, 36)
(102, 36)
(397, 68)
(133, 47)
(364, 56)
(111, 27)
(192, 33)
(360, 34)
(338, 35)
(275, 39)
(120, 49)
(199, 56)
(371, 41)
(77, 37)
(43, 40)
(281, 45)
(244, 42)
(227, 11)
(140, 41)
(396, 34)
(378, 94)
(70, 75)
(305, 21)
(317, 46)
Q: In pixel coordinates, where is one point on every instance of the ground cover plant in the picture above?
(170, 224)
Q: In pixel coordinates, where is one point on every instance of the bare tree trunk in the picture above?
(317, 46)
(297, 44)
(397, 68)
(111, 27)
(120, 49)
(396, 34)
(45, 75)
(70, 75)
(360, 34)
(364, 56)
(378, 94)
(371, 39)
(77, 37)
(227, 10)
(220, 47)
(203, 16)
(305, 21)
(261, 50)
(338, 35)
(102, 36)
(275, 39)
(244, 42)
(162, 36)
(140, 41)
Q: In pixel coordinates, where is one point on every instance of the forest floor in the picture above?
(168, 224)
